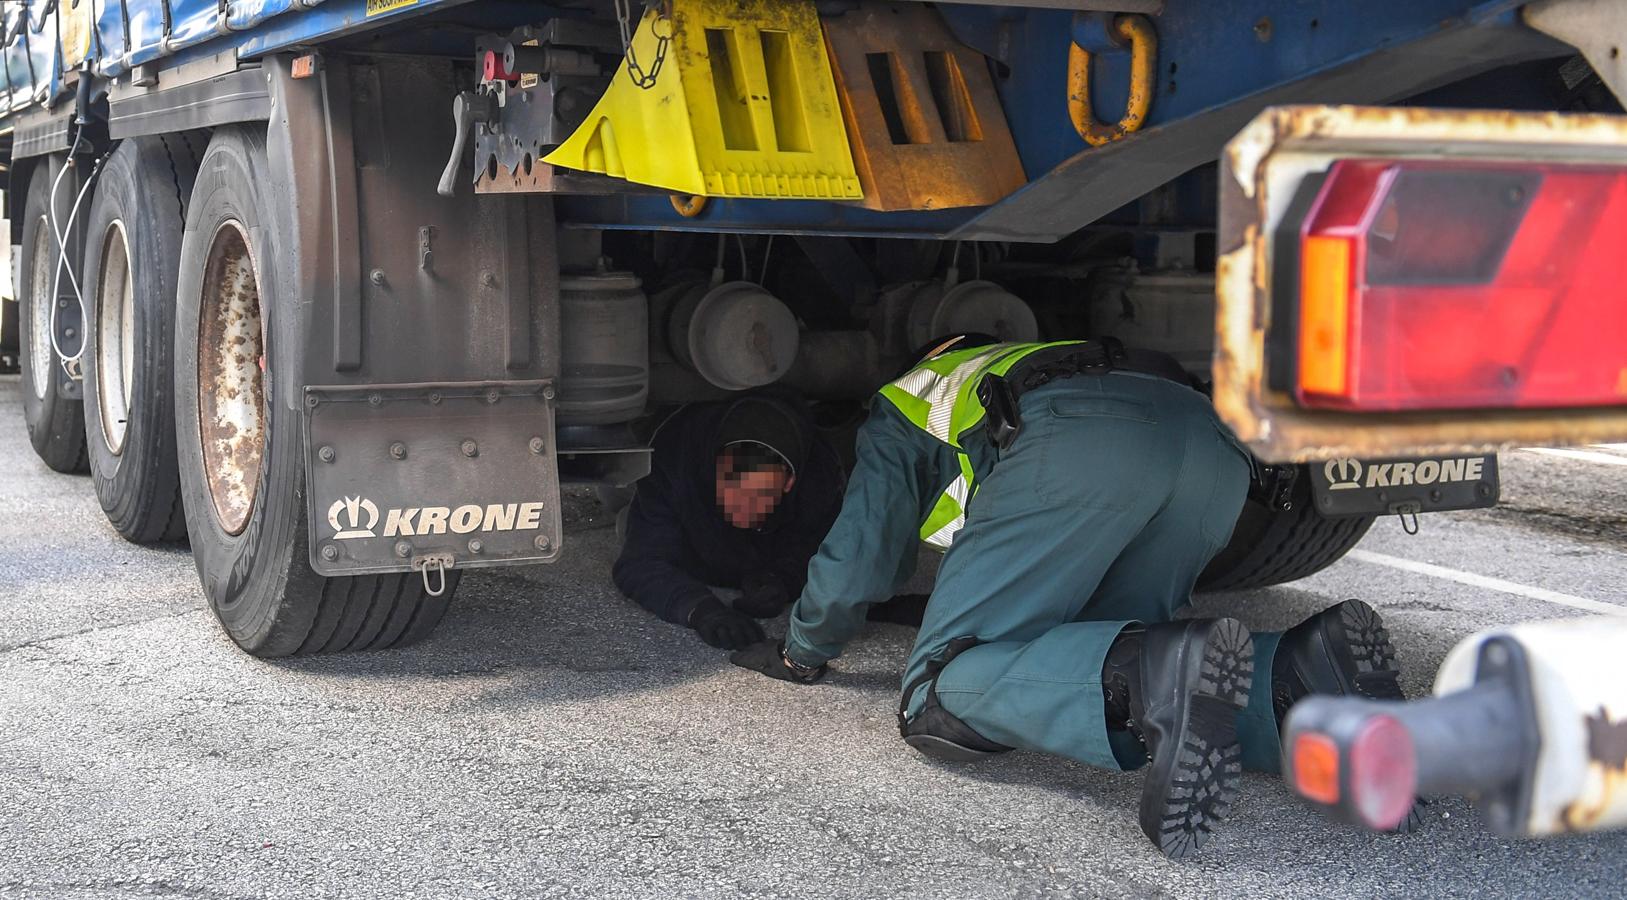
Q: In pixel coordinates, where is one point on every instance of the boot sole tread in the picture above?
(1369, 639)
(1208, 763)
(1378, 677)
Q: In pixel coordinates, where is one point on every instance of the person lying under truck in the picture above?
(1079, 488)
(739, 495)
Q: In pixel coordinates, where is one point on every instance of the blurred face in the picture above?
(748, 498)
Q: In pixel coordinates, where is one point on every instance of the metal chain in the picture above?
(642, 78)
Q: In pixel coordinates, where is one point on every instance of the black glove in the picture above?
(769, 658)
(722, 627)
(901, 609)
(762, 596)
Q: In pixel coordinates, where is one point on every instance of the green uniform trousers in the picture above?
(1116, 493)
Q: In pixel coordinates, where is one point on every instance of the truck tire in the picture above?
(239, 434)
(1274, 547)
(56, 423)
(132, 250)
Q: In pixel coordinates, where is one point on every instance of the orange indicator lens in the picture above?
(1324, 315)
(1316, 768)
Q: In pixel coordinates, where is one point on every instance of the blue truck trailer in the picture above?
(342, 291)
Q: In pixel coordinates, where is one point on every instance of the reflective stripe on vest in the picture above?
(948, 515)
(940, 397)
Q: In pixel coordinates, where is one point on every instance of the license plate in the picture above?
(1351, 487)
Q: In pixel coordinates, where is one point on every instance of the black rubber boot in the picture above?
(1186, 688)
(1344, 650)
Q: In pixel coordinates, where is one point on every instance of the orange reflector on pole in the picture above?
(1315, 762)
(1324, 315)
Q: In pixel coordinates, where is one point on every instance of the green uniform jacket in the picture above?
(899, 492)
(871, 549)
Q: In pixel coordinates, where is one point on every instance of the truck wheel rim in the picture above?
(231, 378)
(39, 310)
(115, 336)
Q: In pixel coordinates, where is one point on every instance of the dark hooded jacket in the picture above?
(678, 541)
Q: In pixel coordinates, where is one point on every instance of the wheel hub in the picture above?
(231, 379)
(40, 302)
(115, 337)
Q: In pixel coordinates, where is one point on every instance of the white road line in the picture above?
(1492, 584)
(1583, 455)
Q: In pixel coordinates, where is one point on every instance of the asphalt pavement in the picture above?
(551, 740)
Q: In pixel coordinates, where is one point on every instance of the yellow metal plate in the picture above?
(76, 30)
(743, 104)
(379, 7)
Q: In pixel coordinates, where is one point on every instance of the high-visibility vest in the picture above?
(940, 397)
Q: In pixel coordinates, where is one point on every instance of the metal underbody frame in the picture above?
(1219, 63)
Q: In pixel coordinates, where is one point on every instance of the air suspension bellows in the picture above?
(605, 367)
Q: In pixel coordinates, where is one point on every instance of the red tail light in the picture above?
(1383, 773)
(1436, 285)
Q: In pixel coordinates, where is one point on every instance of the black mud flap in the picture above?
(437, 476)
(1365, 487)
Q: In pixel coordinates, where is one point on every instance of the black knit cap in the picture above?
(767, 422)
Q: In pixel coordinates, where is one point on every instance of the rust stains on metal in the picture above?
(1264, 165)
(231, 378)
(1607, 757)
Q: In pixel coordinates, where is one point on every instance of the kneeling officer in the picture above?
(1079, 490)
